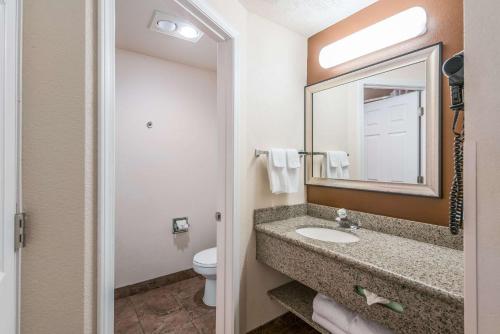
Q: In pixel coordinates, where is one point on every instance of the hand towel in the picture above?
(363, 326)
(343, 160)
(328, 325)
(331, 166)
(277, 171)
(332, 311)
(292, 158)
(278, 157)
(293, 170)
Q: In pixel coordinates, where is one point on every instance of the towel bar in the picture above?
(258, 153)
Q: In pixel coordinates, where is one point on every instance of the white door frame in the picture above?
(10, 195)
(227, 231)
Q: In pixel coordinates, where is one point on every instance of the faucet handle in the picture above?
(342, 213)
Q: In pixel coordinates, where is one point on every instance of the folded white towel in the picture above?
(292, 158)
(328, 325)
(333, 158)
(293, 170)
(363, 326)
(343, 159)
(331, 166)
(278, 157)
(332, 311)
(277, 171)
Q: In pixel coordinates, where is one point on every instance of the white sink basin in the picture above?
(327, 234)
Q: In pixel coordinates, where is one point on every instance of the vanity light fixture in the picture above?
(390, 31)
(174, 26)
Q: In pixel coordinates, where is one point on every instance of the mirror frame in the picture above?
(431, 187)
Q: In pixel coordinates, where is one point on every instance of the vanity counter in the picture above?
(432, 269)
(424, 278)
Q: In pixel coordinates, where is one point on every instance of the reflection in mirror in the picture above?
(378, 128)
(372, 129)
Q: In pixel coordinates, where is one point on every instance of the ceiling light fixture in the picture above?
(175, 26)
(188, 32)
(167, 25)
(393, 30)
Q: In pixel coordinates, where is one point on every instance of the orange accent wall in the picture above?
(445, 24)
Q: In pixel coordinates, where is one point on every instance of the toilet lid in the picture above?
(206, 258)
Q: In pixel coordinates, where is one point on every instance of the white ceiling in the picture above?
(133, 34)
(306, 17)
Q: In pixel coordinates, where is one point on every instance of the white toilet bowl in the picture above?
(205, 264)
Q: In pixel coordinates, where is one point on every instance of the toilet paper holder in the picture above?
(180, 225)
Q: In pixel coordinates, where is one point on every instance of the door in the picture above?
(9, 179)
(391, 139)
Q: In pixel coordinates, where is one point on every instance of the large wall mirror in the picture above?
(378, 128)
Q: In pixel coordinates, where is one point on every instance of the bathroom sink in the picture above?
(327, 234)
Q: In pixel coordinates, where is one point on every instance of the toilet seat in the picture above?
(206, 258)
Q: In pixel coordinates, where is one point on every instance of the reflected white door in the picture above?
(391, 139)
(8, 165)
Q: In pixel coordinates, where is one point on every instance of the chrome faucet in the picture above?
(344, 221)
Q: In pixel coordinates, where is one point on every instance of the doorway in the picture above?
(10, 200)
(223, 219)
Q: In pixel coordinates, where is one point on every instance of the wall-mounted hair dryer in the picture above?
(453, 69)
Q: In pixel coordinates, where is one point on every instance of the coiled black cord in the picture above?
(457, 187)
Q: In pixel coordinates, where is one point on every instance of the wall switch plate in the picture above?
(180, 225)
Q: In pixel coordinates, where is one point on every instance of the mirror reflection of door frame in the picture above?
(421, 124)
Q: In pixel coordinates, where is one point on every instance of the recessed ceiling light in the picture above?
(188, 32)
(167, 25)
(174, 26)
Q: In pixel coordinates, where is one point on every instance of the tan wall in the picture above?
(444, 25)
(482, 70)
(58, 143)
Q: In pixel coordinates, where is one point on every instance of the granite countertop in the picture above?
(432, 269)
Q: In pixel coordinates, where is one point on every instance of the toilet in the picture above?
(205, 264)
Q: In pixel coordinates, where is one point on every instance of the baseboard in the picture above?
(154, 283)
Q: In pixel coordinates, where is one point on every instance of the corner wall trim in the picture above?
(470, 238)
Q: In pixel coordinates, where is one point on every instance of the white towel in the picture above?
(293, 170)
(328, 325)
(292, 158)
(331, 167)
(343, 159)
(336, 165)
(277, 171)
(333, 312)
(363, 326)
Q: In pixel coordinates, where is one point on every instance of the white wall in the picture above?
(337, 125)
(482, 124)
(165, 172)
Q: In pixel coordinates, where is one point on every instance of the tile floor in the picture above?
(175, 309)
